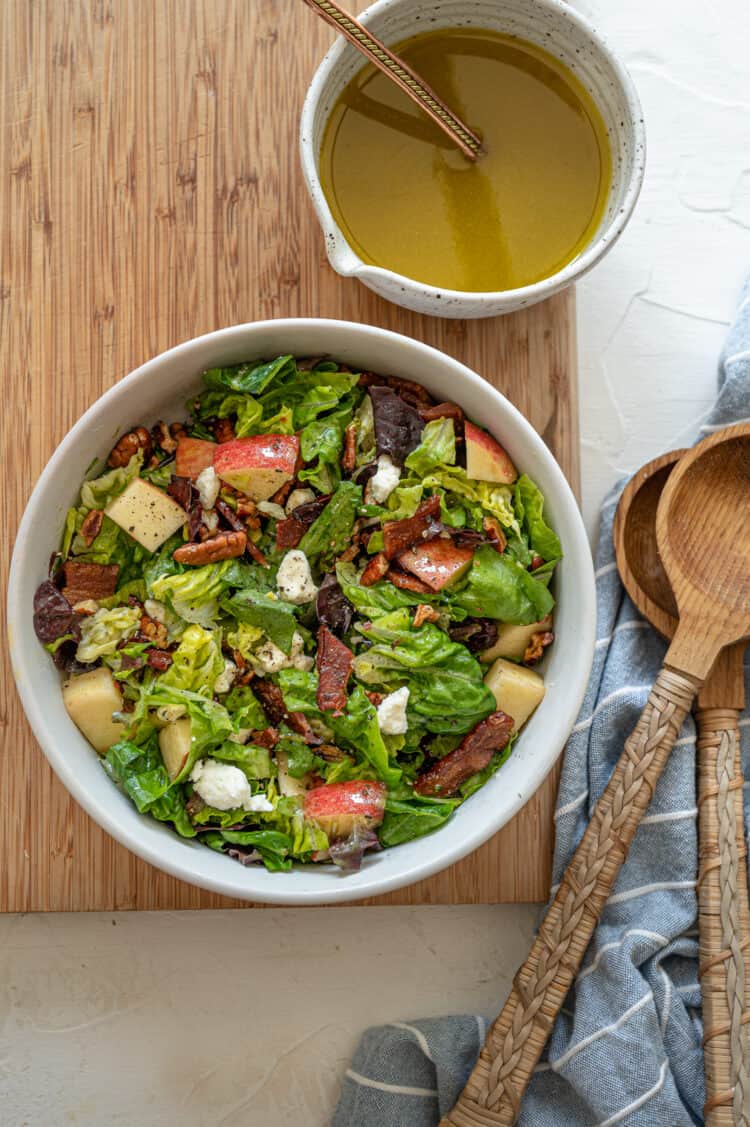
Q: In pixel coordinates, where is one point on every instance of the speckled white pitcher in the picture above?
(549, 24)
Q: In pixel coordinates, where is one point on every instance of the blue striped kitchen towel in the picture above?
(628, 1048)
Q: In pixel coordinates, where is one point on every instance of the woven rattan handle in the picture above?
(492, 1096)
(724, 917)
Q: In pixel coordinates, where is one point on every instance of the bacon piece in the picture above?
(267, 737)
(472, 754)
(374, 697)
(437, 563)
(408, 582)
(289, 532)
(270, 696)
(375, 570)
(229, 516)
(349, 459)
(401, 534)
(89, 581)
(334, 664)
(254, 551)
(160, 660)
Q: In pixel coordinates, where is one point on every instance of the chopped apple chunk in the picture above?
(91, 698)
(513, 640)
(517, 690)
(193, 455)
(258, 466)
(174, 745)
(340, 808)
(438, 563)
(146, 513)
(485, 458)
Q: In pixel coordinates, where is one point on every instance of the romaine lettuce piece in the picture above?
(500, 587)
(529, 503)
(101, 633)
(196, 663)
(265, 611)
(437, 448)
(98, 493)
(331, 533)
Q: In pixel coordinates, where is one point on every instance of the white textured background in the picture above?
(248, 1018)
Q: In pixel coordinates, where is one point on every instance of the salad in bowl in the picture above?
(300, 623)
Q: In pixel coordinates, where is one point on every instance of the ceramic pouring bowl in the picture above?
(561, 32)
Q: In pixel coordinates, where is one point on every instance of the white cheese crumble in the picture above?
(392, 713)
(225, 787)
(271, 659)
(208, 485)
(294, 580)
(156, 610)
(299, 497)
(385, 479)
(225, 680)
(211, 519)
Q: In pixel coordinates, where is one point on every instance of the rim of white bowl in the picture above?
(19, 624)
(536, 291)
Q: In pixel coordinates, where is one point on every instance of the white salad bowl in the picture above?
(562, 32)
(159, 389)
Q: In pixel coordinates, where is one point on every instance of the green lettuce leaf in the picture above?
(253, 760)
(437, 448)
(407, 820)
(139, 770)
(496, 500)
(245, 708)
(529, 503)
(382, 597)
(331, 533)
(196, 663)
(193, 594)
(264, 610)
(101, 633)
(447, 691)
(322, 439)
(500, 587)
(98, 493)
(250, 378)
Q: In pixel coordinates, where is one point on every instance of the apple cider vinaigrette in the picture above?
(407, 200)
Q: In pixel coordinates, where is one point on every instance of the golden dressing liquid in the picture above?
(407, 200)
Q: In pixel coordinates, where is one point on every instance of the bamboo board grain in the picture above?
(149, 191)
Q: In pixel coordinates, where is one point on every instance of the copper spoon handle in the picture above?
(492, 1096)
(402, 74)
(724, 915)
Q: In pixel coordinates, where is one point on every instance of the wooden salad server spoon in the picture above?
(703, 533)
(724, 910)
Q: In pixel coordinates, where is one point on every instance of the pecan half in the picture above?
(472, 754)
(538, 642)
(92, 526)
(161, 436)
(374, 697)
(349, 459)
(375, 570)
(267, 737)
(441, 411)
(225, 546)
(425, 613)
(153, 631)
(130, 443)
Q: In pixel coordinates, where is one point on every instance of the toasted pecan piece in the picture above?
(425, 613)
(130, 443)
(472, 754)
(375, 570)
(349, 459)
(441, 411)
(538, 643)
(89, 581)
(92, 526)
(223, 430)
(225, 546)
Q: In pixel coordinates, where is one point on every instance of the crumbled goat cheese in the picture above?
(385, 479)
(86, 606)
(271, 509)
(271, 659)
(155, 610)
(294, 580)
(225, 680)
(208, 485)
(392, 713)
(211, 519)
(225, 787)
(299, 497)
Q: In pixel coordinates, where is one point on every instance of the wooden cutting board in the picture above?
(150, 190)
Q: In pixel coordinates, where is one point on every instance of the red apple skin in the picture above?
(485, 458)
(193, 455)
(340, 808)
(258, 466)
(438, 563)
